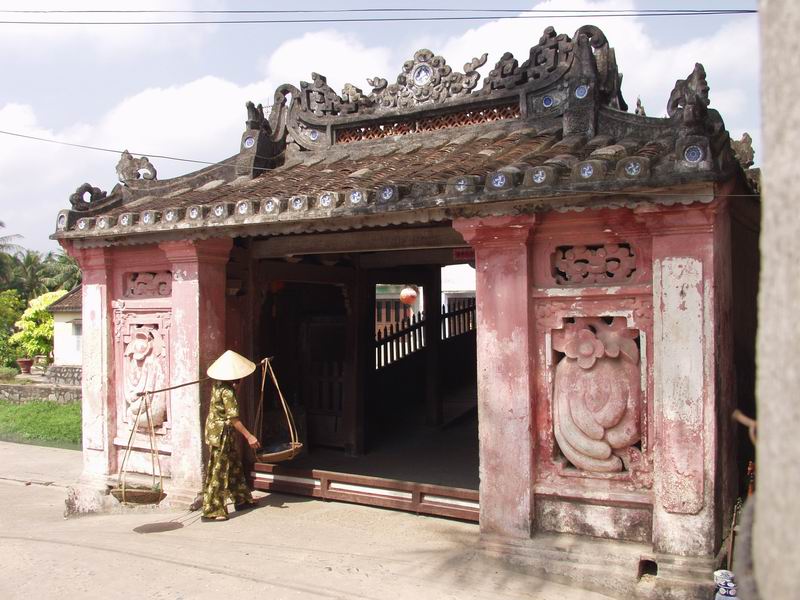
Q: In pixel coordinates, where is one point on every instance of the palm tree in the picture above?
(8, 247)
(31, 273)
(61, 272)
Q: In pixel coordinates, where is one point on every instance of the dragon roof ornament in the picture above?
(426, 82)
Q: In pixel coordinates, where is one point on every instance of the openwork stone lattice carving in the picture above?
(144, 368)
(322, 99)
(148, 285)
(597, 397)
(78, 198)
(588, 265)
(130, 169)
(434, 123)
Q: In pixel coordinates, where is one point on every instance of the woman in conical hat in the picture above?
(224, 474)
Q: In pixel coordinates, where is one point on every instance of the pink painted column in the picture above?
(198, 323)
(99, 459)
(692, 376)
(505, 374)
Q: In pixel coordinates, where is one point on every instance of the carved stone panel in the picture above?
(597, 394)
(142, 344)
(591, 265)
(148, 285)
(144, 368)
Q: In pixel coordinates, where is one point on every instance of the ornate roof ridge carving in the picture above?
(427, 79)
(426, 82)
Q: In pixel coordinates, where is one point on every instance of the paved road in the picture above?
(287, 548)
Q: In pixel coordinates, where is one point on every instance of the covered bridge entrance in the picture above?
(616, 269)
(386, 398)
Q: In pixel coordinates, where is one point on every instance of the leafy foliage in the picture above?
(31, 273)
(11, 306)
(61, 272)
(35, 327)
(8, 247)
(7, 373)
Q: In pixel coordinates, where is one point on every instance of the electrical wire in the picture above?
(100, 149)
(395, 19)
(224, 163)
(220, 164)
(369, 10)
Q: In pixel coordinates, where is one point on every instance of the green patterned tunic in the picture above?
(224, 474)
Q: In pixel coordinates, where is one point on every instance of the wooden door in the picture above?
(322, 353)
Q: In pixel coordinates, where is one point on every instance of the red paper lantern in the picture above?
(408, 295)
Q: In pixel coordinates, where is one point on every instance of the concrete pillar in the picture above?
(97, 406)
(198, 323)
(505, 377)
(777, 514)
(692, 380)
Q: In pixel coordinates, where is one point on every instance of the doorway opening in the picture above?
(382, 385)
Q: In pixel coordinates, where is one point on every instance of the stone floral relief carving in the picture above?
(426, 77)
(148, 284)
(597, 395)
(587, 265)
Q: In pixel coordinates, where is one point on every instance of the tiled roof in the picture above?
(400, 156)
(71, 302)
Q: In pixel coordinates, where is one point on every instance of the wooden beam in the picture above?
(434, 256)
(419, 238)
(274, 269)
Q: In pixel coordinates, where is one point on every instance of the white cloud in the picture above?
(104, 41)
(729, 55)
(342, 58)
(200, 119)
(203, 118)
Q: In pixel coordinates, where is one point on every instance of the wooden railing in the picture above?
(397, 341)
(458, 317)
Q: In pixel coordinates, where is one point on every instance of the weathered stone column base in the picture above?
(87, 498)
(618, 569)
(94, 496)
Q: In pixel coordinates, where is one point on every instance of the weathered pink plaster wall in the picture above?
(99, 458)
(198, 300)
(505, 378)
(657, 280)
(154, 317)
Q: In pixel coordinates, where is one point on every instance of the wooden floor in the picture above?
(424, 470)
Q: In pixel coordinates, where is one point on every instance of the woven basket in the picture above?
(283, 452)
(138, 495)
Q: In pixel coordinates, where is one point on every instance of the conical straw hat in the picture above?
(230, 366)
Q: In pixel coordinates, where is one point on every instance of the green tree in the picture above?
(31, 273)
(11, 306)
(61, 272)
(35, 327)
(8, 243)
(8, 247)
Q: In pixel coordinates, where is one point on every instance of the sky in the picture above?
(180, 90)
